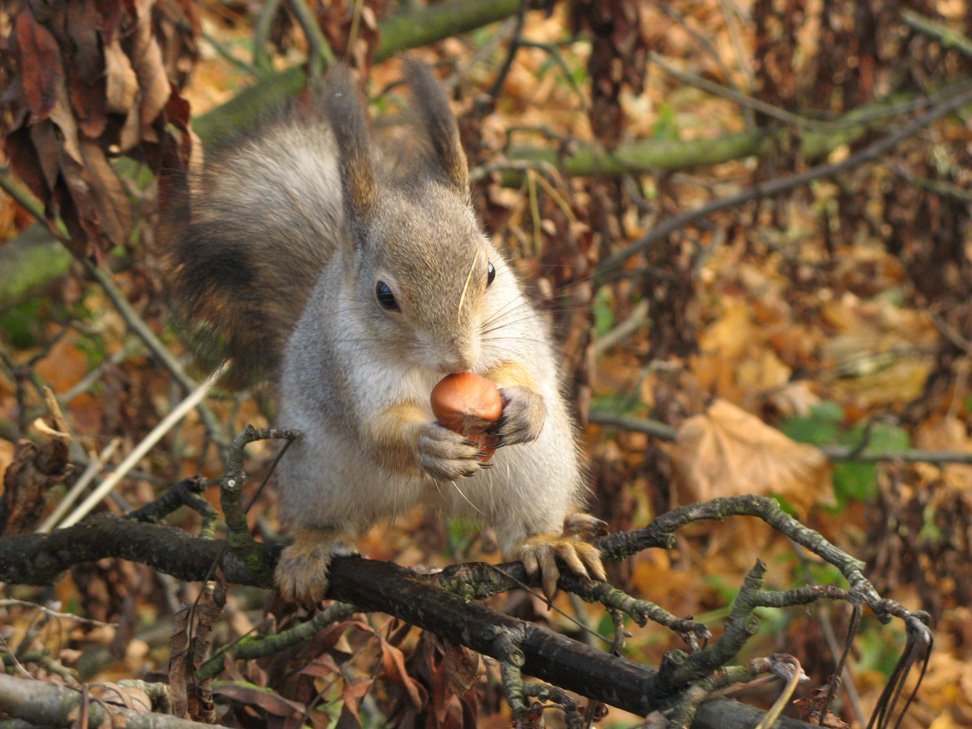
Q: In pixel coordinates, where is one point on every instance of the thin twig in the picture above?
(95, 466)
(963, 95)
(944, 34)
(138, 325)
(144, 447)
(320, 55)
(261, 36)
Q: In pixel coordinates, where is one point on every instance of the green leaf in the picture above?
(23, 325)
(666, 128)
(603, 312)
(820, 427)
(855, 481)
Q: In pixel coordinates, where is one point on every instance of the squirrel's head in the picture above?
(414, 248)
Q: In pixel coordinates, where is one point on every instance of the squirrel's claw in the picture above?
(539, 556)
(523, 416)
(584, 526)
(446, 455)
(301, 574)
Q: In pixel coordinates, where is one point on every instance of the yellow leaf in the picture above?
(726, 451)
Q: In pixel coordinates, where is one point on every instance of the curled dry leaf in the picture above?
(90, 79)
(394, 670)
(461, 667)
(191, 641)
(41, 65)
(726, 451)
(128, 697)
(33, 472)
(265, 699)
(121, 87)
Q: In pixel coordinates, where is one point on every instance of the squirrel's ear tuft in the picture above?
(440, 124)
(349, 121)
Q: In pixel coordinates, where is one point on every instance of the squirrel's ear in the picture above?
(349, 122)
(440, 124)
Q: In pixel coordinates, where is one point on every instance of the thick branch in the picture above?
(413, 28)
(369, 585)
(45, 704)
(39, 559)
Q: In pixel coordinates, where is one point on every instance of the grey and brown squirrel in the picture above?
(355, 270)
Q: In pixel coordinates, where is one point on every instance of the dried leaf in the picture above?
(121, 83)
(349, 719)
(264, 699)
(461, 666)
(110, 15)
(26, 162)
(321, 667)
(128, 697)
(82, 27)
(40, 65)
(188, 648)
(178, 658)
(28, 479)
(89, 103)
(44, 138)
(146, 57)
(726, 451)
(354, 690)
(393, 664)
(113, 214)
(62, 115)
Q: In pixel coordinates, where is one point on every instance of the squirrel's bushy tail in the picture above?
(243, 240)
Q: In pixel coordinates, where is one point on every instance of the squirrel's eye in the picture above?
(386, 299)
(490, 274)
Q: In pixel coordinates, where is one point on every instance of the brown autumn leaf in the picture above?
(41, 65)
(394, 670)
(43, 135)
(128, 697)
(461, 667)
(264, 699)
(89, 103)
(82, 27)
(89, 80)
(321, 667)
(115, 216)
(146, 57)
(348, 719)
(24, 159)
(34, 471)
(725, 451)
(191, 641)
(121, 81)
(354, 690)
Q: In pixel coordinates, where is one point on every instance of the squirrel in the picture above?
(353, 268)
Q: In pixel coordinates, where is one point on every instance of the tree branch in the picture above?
(782, 184)
(45, 704)
(384, 587)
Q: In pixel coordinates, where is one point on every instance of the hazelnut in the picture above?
(468, 404)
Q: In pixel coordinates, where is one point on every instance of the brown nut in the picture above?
(468, 404)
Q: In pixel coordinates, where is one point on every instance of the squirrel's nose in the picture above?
(460, 359)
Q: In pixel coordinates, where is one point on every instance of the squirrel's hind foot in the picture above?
(301, 574)
(539, 556)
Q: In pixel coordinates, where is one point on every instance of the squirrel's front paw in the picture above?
(447, 455)
(301, 574)
(523, 415)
